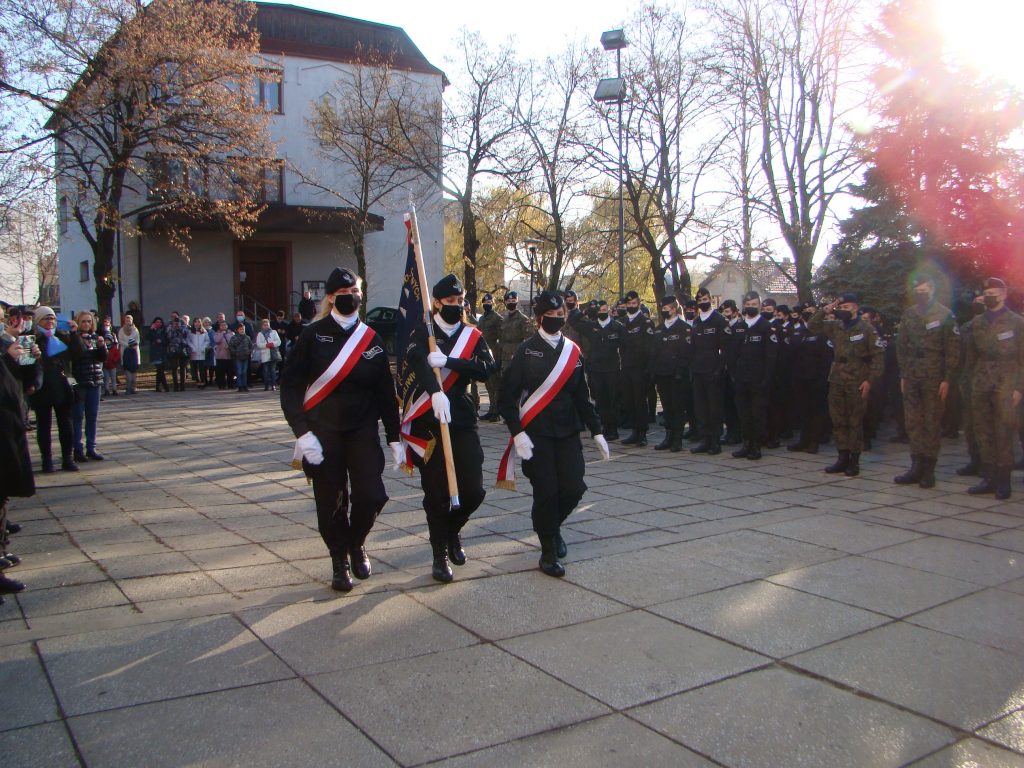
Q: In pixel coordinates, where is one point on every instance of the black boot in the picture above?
(927, 473)
(10, 586)
(841, 464)
(68, 464)
(549, 557)
(1002, 479)
(754, 454)
(799, 445)
(986, 484)
(743, 452)
(360, 562)
(677, 441)
(48, 465)
(714, 449)
(641, 441)
(912, 475)
(666, 443)
(440, 569)
(341, 580)
(456, 554)
(853, 468)
(94, 455)
(561, 548)
(972, 467)
(633, 439)
(79, 456)
(702, 447)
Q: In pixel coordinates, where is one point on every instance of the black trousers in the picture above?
(672, 391)
(604, 386)
(636, 383)
(752, 403)
(556, 474)
(44, 422)
(707, 405)
(178, 367)
(161, 376)
(347, 486)
(810, 399)
(442, 520)
(778, 406)
(225, 373)
(730, 412)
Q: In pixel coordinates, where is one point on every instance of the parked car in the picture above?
(384, 320)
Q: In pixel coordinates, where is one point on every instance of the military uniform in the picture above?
(669, 347)
(604, 369)
(515, 329)
(994, 356)
(730, 412)
(811, 360)
(756, 350)
(708, 341)
(928, 353)
(489, 324)
(635, 353)
(857, 358)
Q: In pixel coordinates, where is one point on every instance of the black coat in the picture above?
(709, 341)
(604, 345)
(669, 349)
(478, 367)
(636, 341)
(88, 369)
(756, 355)
(53, 387)
(16, 477)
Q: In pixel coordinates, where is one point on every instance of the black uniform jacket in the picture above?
(670, 348)
(15, 464)
(364, 396)
(709, 342)
(636, 341)
(604, 345)
(478, 367)
(53, 387)
(811, 355)
(755, 356)
(570, 409)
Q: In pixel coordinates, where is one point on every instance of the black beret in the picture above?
(727, 303)
(448, 285)
(849, 298)
(511, 296)
(488, 297)
(782, 308)
(994, 282)
(545, 301)
(340, 278)
(668, 299)
(572, 293)
(631, 295)
(690, 304)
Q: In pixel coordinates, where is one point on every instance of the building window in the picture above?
(273, 182)
(730, 276)
(268, 90)
(83, 271)
(63, 214)
(166, 176)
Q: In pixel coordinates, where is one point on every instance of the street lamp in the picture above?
(613, 90)
(531, 247)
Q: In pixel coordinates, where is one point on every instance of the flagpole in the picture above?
(446, 438)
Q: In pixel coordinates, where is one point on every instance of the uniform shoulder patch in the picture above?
(372, 352)
(533, 352)
(774, 339)
(650, 330)
(956, 329)
(880, 343)
(325, 339)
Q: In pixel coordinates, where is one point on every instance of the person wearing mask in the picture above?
(545, 403)
(177, 352)
(604, 366)
(268, 342)
(994, 357)
(88, 372)
(240, 318)
(307, 307)
(812, 360)
(490, 326)
(337, 386)
(112, 360)
(756, 351)
(462, 356)
(292, 332)
(222, 355)
(669, 350)
(707, 371)
(635, 352)
(730, 414)
(515, 329)
(240, 346)
(53, 397)
(130, 343)
(856, 365)
(198, 342)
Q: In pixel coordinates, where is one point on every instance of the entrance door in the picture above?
(263, 275)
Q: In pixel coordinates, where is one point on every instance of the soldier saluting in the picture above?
(857, 363)
(928, 351)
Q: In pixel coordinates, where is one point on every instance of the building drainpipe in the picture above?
(138, 248)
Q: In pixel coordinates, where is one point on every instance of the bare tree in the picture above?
(28, 246)
(151, 109)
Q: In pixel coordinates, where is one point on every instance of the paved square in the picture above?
(714, 612)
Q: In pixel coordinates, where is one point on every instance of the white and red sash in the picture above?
(464, 347)
(537, 402)
(340, 367)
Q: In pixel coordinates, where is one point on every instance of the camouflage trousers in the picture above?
(995, 421)
(847, 408)
(922, 411)
(491, 385)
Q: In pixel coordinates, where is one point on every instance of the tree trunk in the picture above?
(359, 249)
(102, 269)
(804, 263)
(470, 246)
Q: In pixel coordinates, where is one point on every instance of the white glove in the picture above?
(602, 446)
(442, 408)
(397, 453)
(524, 446)
(437, 359)
(311, 449)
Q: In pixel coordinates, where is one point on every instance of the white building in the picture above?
(288, 253)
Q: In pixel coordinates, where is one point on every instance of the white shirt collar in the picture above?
(448, 329)
(552, 340)
(604, 323)
(347, 322)
(705, 315)
(632, 315)
(751, 320)
(671, 321)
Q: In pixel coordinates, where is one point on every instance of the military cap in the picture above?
(849, 298)
(751, 296)
(798, 308)
(866, 310)
(511, 296)
(340, 278)
(631, 295)
(668, 299)
(448, 285)
(488, 297)
(782, 308)
(703, 292)
(728, 303)
(690, 304)
(769, 302)
(994, 282)
(572, 293)
(545, 301)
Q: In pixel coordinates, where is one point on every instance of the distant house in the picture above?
(291, 250)
(728, 280)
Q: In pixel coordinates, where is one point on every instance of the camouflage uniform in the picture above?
(858, 358)
(515, 329)
(928, 351)
(490, 327)
(994, 356)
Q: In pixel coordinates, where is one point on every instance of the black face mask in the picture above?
(664, 315)
(689, 315)
(769, 315)
(704, 306)
(346, 303)
(632, 310)
(843, 315)
(488, 308)
(621, 312)
(570, 305)
(602, 316)
(552, 325)
(511, 307)
(751, 311)
(451, 313)
(991, 302)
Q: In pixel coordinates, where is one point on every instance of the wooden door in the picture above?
(267, 276)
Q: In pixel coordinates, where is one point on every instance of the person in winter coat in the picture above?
(113, 358)
(16, 479)
(130, 343)
(198, 343)
(177, 353)
(88, 372)
(158, 352)
(269, 345)
(241, 350)
(222, 355)
(52, 396)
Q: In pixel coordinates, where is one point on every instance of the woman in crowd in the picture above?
(198, 343)
(545, 402)
(88, 371)
(222, 355)
(336, 386)
(158, 352)
(211, 359)
(269, 345)
(240, 346)
(129, 341)
(177, 351)
(52, 396)
(112, 360)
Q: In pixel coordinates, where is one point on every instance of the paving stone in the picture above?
(258, 577)
(958, 559)
(148, 565)
(59, 575)
(117, 668)
(891, 589)
(81, 597)
(298, 728)
(501, 698)
(753, 553)
(41, 746)
(353, 632)
(972, 753)
(607, 742)
(24, 680)
(1009, 731)
(631, 658)
(842, 533)
(769, 619)
(991, 617)
(774, 717)
(179, 585)
(232, 557)
(893, 661)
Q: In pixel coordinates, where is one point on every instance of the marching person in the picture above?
(515, 329)
(756, 349)
(336, 386)
(635, 351)
(707, 371)
(545, 402)
(928, 351)
(857, 364)
(994, 357)
(463, 356)
(670, 346)
(730, 414)
(490, 326)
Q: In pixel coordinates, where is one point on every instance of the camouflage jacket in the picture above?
(515, 329)
(489, 324)
(859, 355)
(928, 344)
(995, 351)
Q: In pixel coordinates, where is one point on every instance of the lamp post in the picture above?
(531, 247)
(613, 90)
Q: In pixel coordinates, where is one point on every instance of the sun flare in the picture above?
(984, 34)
